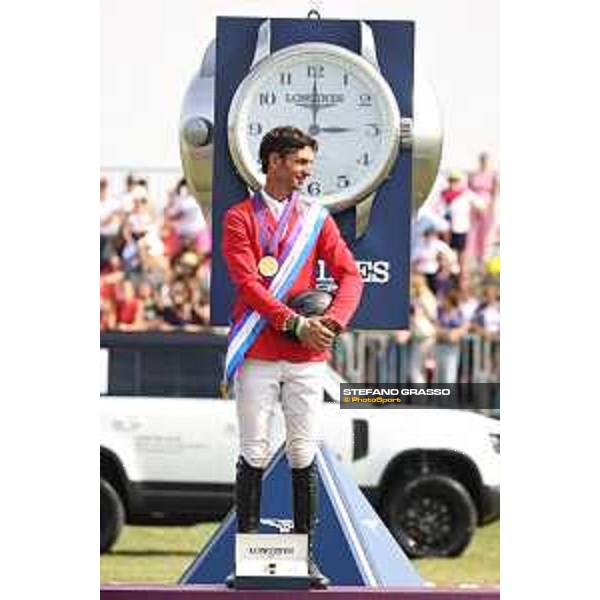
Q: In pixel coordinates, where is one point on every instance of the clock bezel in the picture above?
(335, 201)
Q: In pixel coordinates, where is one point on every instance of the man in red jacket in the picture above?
(271, 244)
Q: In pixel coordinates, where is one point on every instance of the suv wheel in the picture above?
(112, 515)
(432, 515)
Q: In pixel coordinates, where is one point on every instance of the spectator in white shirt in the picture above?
(144, 227)
(110, 222)
(460, 202)
(185, 216)
(141, 220)
(126, 199)
(426, 258)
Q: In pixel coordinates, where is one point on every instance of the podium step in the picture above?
(220, 592)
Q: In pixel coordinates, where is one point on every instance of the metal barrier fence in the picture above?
(377, 357)
(190, 365)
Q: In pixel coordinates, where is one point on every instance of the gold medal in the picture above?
(268, 266)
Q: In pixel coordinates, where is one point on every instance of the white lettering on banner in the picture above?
(371, 392)
(395, 392)
(372, 271)
(425, 392)
(377, 271)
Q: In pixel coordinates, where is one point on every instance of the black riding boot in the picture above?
(305, 487)
(248, 485)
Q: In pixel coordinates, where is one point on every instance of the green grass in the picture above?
(480, 562)
(161, 555)
(153, 554)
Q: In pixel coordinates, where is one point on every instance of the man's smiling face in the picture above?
(291, 170)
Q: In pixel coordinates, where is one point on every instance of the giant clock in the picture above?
(336, 96)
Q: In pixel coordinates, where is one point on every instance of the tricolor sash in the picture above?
(297, 248)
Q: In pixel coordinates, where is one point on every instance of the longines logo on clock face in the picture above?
(321, 100)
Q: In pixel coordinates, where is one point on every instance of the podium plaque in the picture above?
(271, 561)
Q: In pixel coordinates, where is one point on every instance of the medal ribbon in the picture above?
(260, 208)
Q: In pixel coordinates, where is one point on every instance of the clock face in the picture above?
(335, 96)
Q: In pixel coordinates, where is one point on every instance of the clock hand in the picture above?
(336, 129)
(313, 128)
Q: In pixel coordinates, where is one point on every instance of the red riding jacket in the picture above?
(242, 251)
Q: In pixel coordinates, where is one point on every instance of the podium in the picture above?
(353, 547)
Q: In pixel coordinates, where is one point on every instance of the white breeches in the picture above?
(259, 386)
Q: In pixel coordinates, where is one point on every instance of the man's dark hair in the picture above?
(283, 141)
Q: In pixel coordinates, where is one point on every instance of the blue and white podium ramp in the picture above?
(353, 546)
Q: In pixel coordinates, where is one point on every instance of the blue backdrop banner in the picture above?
(383, 252)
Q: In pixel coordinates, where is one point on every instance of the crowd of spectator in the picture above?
(154, 263)
(455, 274)
(155, 266)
